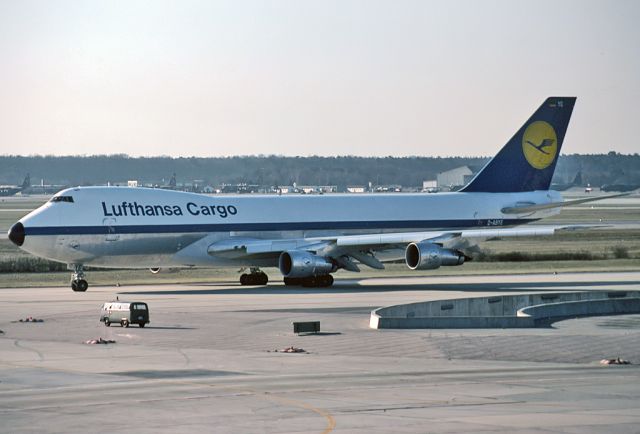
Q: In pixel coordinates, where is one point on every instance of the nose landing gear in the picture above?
(78, 282)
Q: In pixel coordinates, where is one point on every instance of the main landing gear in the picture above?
(255, 277)
(322, 281)
(78, 282)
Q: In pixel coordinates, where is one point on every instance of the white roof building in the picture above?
(455, 177)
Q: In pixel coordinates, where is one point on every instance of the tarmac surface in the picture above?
(207, 362)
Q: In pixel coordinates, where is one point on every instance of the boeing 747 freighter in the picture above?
(307, 237)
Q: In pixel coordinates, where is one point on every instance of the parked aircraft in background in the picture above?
(307, 237)
(619, 187)
(26, 188)
(577, 182)
(10, 190)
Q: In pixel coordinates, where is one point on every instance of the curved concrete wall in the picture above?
(505, 311)
(547, 313)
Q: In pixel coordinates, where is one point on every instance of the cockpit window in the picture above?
(62, 199)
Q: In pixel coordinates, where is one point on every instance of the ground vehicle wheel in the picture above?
(107, 323)
(124, 323)
(141, 325)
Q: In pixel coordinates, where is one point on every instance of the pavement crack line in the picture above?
(56, 407)
(186, 358)
(17, 344)
(429, 405)
(331, 422)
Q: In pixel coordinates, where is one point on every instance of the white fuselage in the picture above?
(141, 228)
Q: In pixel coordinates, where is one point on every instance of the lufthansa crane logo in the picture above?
(540, 144)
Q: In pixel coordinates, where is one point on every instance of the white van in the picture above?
(125, 313)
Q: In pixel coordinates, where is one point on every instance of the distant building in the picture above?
(210, 190)
(310, 189)
(356, 189)
(284, 189)
(454, 178)
(132, 183)
(241, 188)
(430, 184)
(388, 188)
(303, 189)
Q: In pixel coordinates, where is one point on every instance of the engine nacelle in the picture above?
(298, 263)
(429, 256)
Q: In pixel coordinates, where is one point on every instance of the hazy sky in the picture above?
(398, 78)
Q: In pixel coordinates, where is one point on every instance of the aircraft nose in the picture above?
(16, 234)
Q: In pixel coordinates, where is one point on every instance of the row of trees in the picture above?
(278, 170)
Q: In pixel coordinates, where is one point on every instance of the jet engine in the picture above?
(298, 263)
(429, 256)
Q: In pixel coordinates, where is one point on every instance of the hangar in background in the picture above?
(455, 178)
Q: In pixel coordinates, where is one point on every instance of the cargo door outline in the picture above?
(110, 225)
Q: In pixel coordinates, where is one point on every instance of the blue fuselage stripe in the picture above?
(266, 227)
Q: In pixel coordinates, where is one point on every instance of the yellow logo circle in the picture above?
(540, 144)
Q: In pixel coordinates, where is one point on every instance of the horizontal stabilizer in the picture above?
(539, 207)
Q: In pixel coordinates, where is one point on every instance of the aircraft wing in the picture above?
(237, 247)
(440, 237)
(363, 248)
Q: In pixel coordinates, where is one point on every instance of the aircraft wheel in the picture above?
(82, 285)
(322, 281)
(262, 279)
(254, 279)
(310, 282)
(326, 281)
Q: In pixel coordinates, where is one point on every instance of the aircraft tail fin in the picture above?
(528, 160)
(577, 181)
